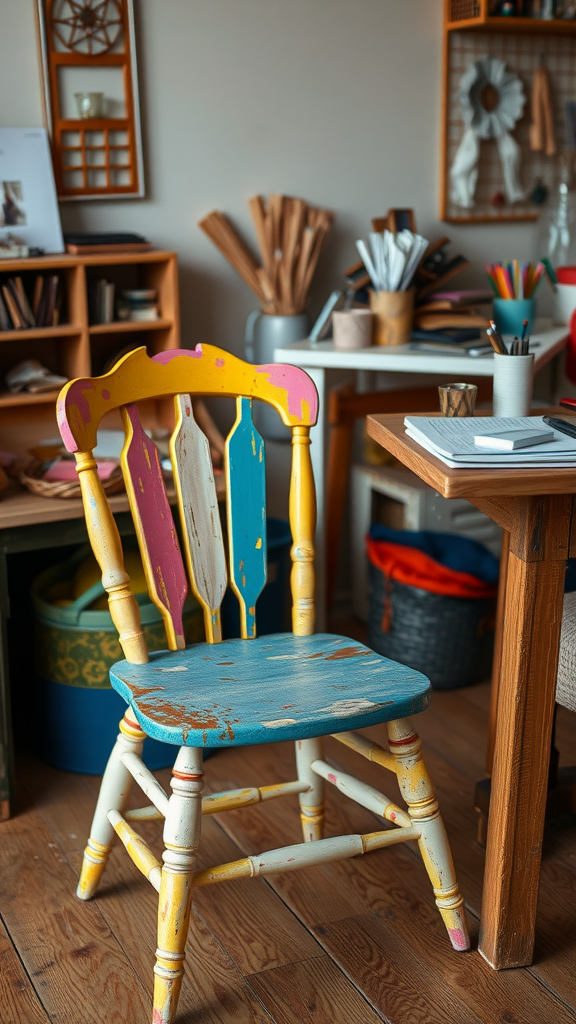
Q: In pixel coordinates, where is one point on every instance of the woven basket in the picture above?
(449, 639)
(30, 476)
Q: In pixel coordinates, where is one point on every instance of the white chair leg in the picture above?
(416, 788)
(311, 802)
(181, 837)
(113, 795)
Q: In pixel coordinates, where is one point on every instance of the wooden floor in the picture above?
(354, 943)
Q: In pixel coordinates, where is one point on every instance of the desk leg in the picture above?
(497, 663)
(532, 621)
(6, 752)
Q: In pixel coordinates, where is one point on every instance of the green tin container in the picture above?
(77, 711)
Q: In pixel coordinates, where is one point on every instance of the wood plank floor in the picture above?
(352, 943)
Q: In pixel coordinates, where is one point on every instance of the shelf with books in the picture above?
(129, 326)
(74, 347)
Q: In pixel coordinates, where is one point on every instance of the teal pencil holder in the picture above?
(509, 315)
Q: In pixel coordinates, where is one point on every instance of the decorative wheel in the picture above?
(88, 26)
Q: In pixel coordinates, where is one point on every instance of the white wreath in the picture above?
(487, 124)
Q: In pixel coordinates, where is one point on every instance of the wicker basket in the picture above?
(449, 639)
(30, 476)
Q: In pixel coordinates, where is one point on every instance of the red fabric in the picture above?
(408, 565)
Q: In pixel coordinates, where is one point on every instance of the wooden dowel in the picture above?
(362, 794)
(138, 850)
(292, 858)
(148, 784)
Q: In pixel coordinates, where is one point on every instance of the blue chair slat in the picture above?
(246, 507)
(279, 687)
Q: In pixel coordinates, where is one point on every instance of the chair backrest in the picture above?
(206, 370)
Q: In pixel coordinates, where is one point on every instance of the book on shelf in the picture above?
(118, 241)
(440, 321)
(34, 305)
(103, 305)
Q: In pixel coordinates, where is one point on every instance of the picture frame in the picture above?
(91, 101)
(28, 200)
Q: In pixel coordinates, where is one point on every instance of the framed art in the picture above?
(91, 97)
(28, 202)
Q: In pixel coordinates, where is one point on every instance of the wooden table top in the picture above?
(389, 431)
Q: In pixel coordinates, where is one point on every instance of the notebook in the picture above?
(451, 439)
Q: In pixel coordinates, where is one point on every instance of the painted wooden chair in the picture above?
(296, 686)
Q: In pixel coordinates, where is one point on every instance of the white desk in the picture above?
(320, 358)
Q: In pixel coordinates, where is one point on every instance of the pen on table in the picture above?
(562, 425)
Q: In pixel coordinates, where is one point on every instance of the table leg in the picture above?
(531, 637)
(497, 663)
(6, 752)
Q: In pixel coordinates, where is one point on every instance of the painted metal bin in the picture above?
(77, 711)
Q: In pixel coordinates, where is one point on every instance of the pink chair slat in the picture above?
(155, 528)
(201, 527)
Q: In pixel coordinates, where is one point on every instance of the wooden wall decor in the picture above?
(88, 50)
(471, 33)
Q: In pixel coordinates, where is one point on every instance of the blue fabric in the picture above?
(460, 553)
(280, 687)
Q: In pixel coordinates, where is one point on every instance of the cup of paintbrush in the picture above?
(392, 316)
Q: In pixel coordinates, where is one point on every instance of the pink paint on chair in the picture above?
(75, 404)
(173, 353)
(297, 385)
(160, 539)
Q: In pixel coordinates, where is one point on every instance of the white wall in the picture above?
(334, 100)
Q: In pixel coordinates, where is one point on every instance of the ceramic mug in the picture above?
(512, 387)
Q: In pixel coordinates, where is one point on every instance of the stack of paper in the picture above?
(452, 441)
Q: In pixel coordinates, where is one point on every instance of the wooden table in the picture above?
(397, 367)
(536, 507)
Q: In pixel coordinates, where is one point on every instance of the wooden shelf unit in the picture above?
(460, 15)
(77, 348)
(470, 33)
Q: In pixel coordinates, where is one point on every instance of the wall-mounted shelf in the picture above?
(491, 23)
(471, 33)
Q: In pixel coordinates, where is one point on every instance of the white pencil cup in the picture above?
(352, 329)
(512, 389)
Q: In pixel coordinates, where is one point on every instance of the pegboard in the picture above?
(522, 53)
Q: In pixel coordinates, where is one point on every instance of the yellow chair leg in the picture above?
(416, 788)
(173, 920)
(181, 838)
(312, 801)
(112, 797)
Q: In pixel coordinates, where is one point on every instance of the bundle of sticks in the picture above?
(290, 235)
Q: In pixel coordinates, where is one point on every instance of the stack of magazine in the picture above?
(452, 440)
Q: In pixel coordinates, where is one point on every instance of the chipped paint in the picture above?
(173, 353)
(278, 723)
(350, 706)
(300, 391)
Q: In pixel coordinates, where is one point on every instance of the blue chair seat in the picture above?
(279, 687)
